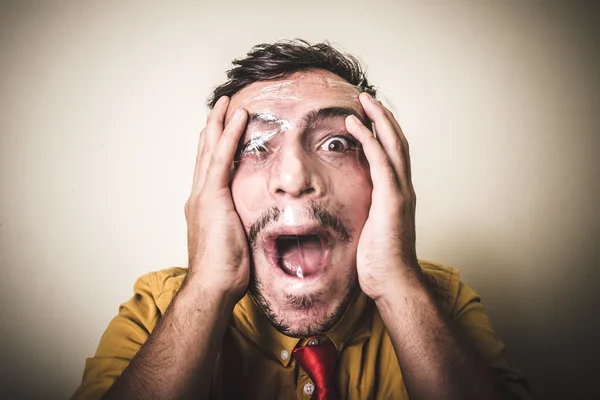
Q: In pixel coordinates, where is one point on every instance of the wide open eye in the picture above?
(338, 144)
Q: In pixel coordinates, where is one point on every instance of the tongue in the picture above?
(300, 255)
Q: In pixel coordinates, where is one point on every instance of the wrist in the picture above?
(400, 277)
(196, 290)
(407, 287)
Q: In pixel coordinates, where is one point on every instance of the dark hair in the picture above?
(281, 59)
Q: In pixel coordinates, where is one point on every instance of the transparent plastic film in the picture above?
(294, 153)
(285, 112)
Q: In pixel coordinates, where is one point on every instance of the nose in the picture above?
(294, 174)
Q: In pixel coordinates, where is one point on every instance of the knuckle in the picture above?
(193, 201)
(216, 160)
(206, 149)
(393, 183)
(187, 208)
(203, 198)
(398, 203)
(397, 146)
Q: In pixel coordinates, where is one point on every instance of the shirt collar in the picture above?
(252, 323)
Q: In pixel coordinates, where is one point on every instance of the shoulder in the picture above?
(166, 279)
(161, 285)
(443, 281)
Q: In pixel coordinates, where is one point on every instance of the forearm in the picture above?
(178, 358)
(435, 360)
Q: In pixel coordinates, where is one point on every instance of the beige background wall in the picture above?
(101, 103)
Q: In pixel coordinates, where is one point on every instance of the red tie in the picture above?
(319, 363)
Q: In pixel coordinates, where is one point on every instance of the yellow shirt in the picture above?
(256, 362)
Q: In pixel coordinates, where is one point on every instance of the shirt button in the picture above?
(313, 342)
(284, 355)
(309, 388)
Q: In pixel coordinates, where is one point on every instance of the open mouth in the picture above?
(300, 255)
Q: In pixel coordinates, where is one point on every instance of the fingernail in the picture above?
(238, 113)
(221, 101)
(354, 119)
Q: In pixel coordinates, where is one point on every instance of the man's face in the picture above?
(302, 189)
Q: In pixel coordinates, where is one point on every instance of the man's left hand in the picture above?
(386, 255)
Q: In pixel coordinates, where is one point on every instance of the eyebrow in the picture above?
(310, 119)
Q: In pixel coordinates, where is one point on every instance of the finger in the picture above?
(403, 140)
(198, 158)
(387, 136)
(222, 157)
(212, 131)
(382, 172)
(215, 121)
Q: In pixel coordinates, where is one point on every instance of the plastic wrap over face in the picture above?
(277, 112)
(298, 141)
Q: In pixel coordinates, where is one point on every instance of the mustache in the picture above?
(314, 210)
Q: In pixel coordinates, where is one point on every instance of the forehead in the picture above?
(293, 97)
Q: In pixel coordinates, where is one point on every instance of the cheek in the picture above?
(249, 192)
(347, 179)
(352, 176)
(352, 187)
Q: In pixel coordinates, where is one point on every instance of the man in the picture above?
(303, 278)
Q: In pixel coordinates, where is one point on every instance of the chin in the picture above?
(305, 310)
(303, 277)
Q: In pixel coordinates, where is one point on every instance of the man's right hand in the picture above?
(218, 253)
(177, 360)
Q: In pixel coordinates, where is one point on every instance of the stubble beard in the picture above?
(303, 304)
